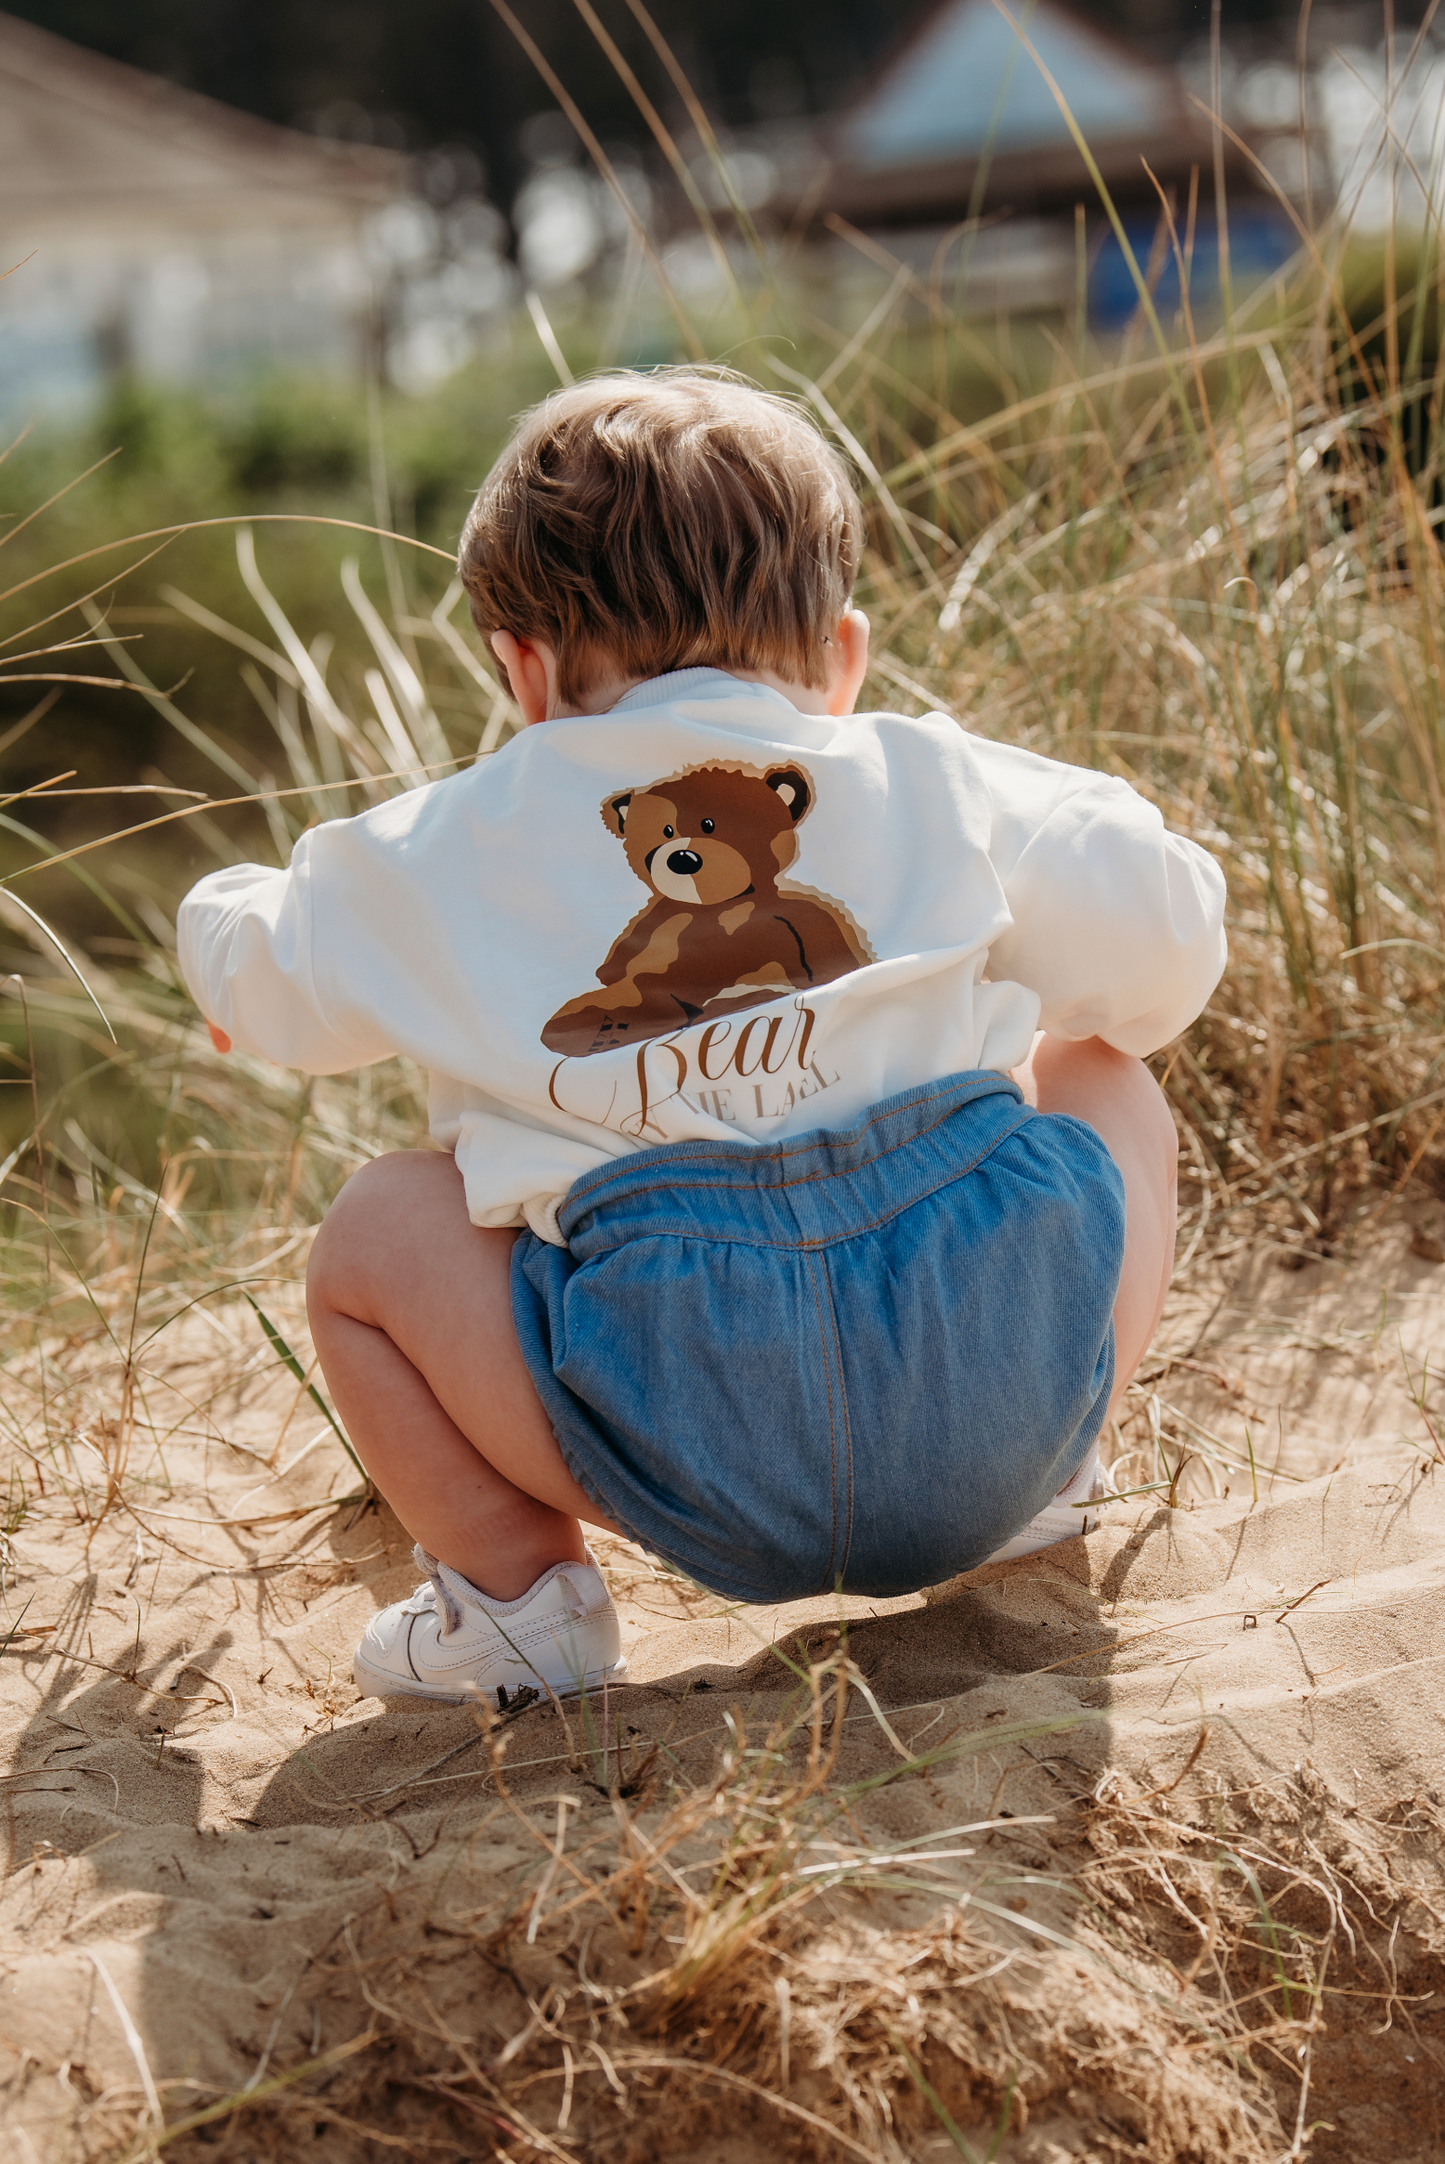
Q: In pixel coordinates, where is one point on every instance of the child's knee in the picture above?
(1162, 1129)
(1163, 1132)
(1136, 1091)
(1155, 1136)
(374, 1220)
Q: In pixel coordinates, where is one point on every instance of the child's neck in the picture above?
(605, 691)
(532, 672)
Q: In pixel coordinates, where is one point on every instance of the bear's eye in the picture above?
(707, 826)
(668, 832)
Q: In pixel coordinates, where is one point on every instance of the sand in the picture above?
(1196, 1753)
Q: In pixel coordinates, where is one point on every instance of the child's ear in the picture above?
(847, 662)
(530, 667)
(792, 787)
(614, 811)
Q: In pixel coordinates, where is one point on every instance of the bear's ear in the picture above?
(793, 787)
(614, 811)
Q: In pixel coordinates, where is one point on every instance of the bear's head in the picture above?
(714, 834)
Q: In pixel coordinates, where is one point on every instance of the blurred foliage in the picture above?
(285, 451)
(1393, 298)
(1216, 574)
(292, 454)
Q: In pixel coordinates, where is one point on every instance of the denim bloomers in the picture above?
(858, 1359)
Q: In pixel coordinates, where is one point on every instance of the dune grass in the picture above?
(1208, 562)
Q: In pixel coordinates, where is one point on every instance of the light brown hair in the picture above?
(642, 523)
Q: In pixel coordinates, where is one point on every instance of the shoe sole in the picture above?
(1013, 1551)
(372, 1684)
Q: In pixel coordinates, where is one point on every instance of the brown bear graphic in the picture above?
(719, 934)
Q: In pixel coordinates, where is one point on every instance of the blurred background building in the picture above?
(962, 113)
(195, 194)
(158, 232)
(965, 123)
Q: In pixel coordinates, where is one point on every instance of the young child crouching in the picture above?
(764, 1228)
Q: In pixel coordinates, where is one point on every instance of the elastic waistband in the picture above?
(808, 1190)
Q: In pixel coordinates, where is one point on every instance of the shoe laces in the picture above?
(435, 1592)
(444, 1588)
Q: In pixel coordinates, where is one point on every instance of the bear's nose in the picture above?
(684, 862)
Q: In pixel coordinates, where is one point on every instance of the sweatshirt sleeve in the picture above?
(1118, 924)
(244, 939)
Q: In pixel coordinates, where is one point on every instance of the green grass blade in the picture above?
(289, 1360)
(66, 956)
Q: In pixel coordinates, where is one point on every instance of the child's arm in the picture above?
(1118, 924)
(245, 942)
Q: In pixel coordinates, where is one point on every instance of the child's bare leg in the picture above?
(411, 1315)
(1119, 1098)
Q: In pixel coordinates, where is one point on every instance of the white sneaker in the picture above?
(450, 1640)
(1066, 1515)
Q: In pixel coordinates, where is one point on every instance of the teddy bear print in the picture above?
(718, 933)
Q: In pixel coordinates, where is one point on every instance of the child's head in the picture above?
(641, 523)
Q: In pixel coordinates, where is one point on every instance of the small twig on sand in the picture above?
(1301, 1600)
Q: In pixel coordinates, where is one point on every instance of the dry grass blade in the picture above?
(814, 1911)
(132, 2041)
(605, 167)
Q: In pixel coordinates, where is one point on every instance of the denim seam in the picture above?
(645, 1541)
(835, 1239)
(752, 1187)
(832, 1429)
(582, 1474)
(841, 1571)
(776, 1152)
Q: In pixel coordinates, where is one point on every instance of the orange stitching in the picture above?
(847, 1432)
(832, 1429)
(775, 1152)
(792, 1247)
(837, 1172)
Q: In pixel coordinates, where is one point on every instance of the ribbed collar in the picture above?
(692, 684)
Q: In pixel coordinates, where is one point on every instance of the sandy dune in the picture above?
(1197, 1752)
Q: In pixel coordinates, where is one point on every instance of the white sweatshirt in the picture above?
(705, 914)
